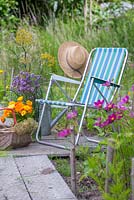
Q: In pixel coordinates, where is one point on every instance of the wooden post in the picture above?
(109, 159)
(73, 164)
(132, 178)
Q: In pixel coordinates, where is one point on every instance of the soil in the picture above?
(86, 188)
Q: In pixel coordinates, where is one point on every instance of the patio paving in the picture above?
(28, 174)
(31, 178)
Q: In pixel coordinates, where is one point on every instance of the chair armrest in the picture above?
(101, 81)
(64, 79)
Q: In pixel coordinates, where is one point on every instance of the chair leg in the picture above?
(38, 130)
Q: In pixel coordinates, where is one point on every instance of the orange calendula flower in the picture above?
(2, 118)
(7, 113)
(19, 106)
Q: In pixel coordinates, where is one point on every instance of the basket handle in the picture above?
(13, 113)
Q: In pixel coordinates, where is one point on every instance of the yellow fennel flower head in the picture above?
(23, 37)
(1, 71)
(29, 103)
(20, 98)
(49, 59)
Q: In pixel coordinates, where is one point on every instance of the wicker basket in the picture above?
(9, 139)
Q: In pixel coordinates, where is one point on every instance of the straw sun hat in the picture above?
(72, 59)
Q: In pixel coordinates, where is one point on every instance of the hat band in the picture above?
(72, 67)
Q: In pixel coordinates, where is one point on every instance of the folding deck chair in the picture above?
(103, 64)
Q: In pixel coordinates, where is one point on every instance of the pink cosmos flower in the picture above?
(99, 104)
(124, 99)
(109, 106)
(112, 118)
(132, 88)
(98, 122)
(72, 114)
(121, 107)
(64, 132)
(131, 114)
(105, 123)
(119, 115)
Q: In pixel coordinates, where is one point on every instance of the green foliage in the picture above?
(7, 12)
(119, 170)
(82, 152)
(94, 167)
(3, 153)
(63, 167)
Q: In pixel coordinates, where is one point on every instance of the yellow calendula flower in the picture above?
(29, 103)
(20, 98)
(11, 106)
(27, 108)
(1, 71)
(11, 102)
(23, 112)
(23, 37)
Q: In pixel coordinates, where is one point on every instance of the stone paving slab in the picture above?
(31, 178)
(38, 149)
(11, 183)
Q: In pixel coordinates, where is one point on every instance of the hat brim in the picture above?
(62, 52)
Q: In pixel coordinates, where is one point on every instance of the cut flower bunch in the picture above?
(17, 134)
(22, 109)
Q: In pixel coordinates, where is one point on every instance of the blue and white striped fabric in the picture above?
(106, 65)
(58, 103)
